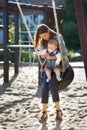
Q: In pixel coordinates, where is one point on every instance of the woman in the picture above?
(42, 35)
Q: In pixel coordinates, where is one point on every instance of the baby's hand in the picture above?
(56, 63)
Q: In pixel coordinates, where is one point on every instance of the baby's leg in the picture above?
(48, 73)
(57, 71)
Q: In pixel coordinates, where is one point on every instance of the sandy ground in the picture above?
(20, 102)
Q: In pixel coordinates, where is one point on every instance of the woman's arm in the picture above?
(41, 52)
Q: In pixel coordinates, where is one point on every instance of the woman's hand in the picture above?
(48, 57)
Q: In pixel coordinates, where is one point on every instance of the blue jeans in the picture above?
(52, 86)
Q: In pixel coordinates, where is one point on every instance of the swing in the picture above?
(67, 78)
(68, 75)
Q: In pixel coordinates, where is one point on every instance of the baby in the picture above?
(52, 64)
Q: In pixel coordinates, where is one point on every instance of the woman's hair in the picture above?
(42, 28)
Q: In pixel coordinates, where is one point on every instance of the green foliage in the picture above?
(26, 57)
(11, 55)
(11, 29)
(1, 57)
(72, 56)
(11, 33)
(70, 34)
(70, 29)
(69, 10)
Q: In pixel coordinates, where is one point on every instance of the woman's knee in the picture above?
(45, 93)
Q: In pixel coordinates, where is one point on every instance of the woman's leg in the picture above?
(55, 95)
(58, 111)
(53, 88)
(57, 105)
(45, 94)
(44, 106)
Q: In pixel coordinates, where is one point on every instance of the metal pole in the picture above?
(6, 58)
(45, 12)
(16, 54)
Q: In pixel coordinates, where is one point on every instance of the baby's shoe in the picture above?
(48, 79)
(59, 78)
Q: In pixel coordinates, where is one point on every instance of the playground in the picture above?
(20, 88)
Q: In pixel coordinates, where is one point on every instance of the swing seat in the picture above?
(67, 78)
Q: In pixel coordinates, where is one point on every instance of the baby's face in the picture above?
(52, 47)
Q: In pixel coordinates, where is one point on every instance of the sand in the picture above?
(20, 102)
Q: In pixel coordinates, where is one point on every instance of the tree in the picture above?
(70, 30)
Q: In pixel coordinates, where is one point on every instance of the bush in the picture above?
(72, 56)
(1, 57)
(71, 35)
(26, 57)
(70, 29)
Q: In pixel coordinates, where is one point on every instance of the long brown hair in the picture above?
(42, 28)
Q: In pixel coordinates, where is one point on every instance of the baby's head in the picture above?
(52, 45)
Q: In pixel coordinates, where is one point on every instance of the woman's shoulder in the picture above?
(56, 36)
